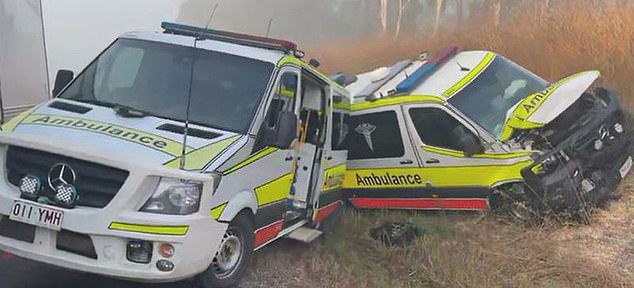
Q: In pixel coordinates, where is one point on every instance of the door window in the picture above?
(373, 136)
(284, 96)
(437, 128)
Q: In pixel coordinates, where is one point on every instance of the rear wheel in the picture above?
(233, 257)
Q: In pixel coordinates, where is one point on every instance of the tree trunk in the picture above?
(383, 14)
(401, 8)
(439, 6)
(497, 8)
(545, 7)
(460, 13)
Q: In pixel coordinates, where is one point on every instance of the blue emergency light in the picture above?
(423, 72)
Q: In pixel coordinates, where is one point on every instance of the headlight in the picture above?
(618, 128)
(546, 164)
(175, 197)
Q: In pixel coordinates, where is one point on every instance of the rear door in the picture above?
(333, 163)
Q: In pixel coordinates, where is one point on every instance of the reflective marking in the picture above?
(326, 211)
(423, 203)
(455, 153)
(397, 100)
(267, 233)
(15, 121)
(255, 157)
(217, 211)
(333, 177)
(199, 158)
(451, 176)
(275, 190)
(488, 58)
(152, 141)
(147, 229)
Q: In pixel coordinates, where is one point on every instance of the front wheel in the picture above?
(233, 256)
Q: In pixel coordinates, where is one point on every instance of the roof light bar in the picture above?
(238, 38)
(426, 70)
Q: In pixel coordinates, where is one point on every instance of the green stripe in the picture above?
(148, 229)
(199, 158)
(15, 121)
(255, 157)
(143, 138)
(488, 58)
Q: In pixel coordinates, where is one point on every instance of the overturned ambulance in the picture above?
(173, 155)
(472, 130)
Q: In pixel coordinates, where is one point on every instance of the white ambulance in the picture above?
(173, 155)
(472, 130)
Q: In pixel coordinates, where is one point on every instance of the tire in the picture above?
(223, 273)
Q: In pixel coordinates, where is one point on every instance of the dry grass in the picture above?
(574, 35)
(466, 250)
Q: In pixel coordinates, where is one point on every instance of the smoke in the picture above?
(304, 21)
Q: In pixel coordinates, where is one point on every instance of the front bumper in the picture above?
(584, 175)
(103, 249)
(194, 252)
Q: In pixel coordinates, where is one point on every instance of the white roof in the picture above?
(262, 54)
(442, 79)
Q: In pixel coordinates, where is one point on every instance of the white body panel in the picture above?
(564, 96)
(191, 257)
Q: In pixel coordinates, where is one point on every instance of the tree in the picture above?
(402, 4)
(440, 4)
(383, 14)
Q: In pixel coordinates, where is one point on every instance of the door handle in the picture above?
(432, 161)
(289, 158)
(328, 158)
(405, 162)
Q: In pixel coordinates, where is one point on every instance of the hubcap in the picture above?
(229, 255)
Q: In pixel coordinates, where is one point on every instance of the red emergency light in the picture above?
(238, 38)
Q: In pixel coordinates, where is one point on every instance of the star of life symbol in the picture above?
(366, 130)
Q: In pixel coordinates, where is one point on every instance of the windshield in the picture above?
(497, 89)
(155, 78)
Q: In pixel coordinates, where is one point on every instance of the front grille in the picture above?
(17, 230)
(96, 184)
(76, 243)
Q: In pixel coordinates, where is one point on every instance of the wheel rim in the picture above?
(229, 255)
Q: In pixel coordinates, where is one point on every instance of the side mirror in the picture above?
(283, 134)
(62, 79)
(471, 145)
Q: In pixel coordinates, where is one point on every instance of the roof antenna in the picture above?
(191, 83)
(211, 17)
(268, 29)
(462, 68)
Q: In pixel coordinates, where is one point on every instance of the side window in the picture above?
(284, 95)
(372, 136)
(435, 127)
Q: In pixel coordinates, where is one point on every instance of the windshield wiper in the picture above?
(129, 112)
(121, 110)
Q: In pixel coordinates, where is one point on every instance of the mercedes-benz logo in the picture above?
(603, 133)
(61, 173)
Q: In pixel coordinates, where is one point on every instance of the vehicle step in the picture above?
(304, 234)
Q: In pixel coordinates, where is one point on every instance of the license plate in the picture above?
(626, 167)
(37, 215)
